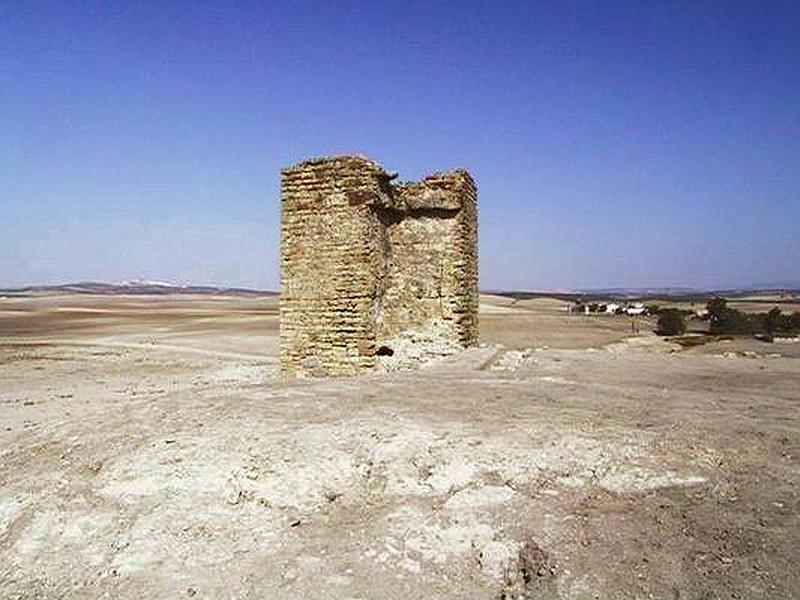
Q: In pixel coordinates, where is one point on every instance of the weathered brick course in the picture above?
(364, 259)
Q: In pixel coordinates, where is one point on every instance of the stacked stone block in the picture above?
(364, 259)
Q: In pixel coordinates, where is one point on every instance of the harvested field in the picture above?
(148, 448)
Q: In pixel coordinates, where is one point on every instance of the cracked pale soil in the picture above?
(150, 450)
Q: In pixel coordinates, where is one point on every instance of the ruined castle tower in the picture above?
(364, 259)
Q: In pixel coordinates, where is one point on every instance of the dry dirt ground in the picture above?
(148, 449)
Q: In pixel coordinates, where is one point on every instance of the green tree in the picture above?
(671, 322)
(717, 307)
(725, 320)
(773, 321)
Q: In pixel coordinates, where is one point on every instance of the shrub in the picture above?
(777, 323)
(726, 320)
(716, 308)
(737, 322)
(772, 321)
(671, 322)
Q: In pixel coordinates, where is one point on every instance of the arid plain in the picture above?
(149, 449)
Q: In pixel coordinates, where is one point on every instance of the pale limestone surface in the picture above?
(150, 449)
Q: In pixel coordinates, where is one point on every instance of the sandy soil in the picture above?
(149, 449)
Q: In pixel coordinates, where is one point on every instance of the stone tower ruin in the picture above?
(365, 260)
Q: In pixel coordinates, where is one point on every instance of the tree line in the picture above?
(724, 320)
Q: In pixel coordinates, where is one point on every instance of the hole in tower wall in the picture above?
(384, 351)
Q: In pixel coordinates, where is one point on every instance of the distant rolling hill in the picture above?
(133, 288)
(674, 293)
(163, 288)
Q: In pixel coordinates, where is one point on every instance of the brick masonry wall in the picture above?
(432, 270)
(363, 259)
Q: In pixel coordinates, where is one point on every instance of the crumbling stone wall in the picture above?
(365, 260)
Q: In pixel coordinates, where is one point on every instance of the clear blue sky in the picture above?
(614, 143)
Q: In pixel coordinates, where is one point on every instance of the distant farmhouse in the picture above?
(633, 309)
